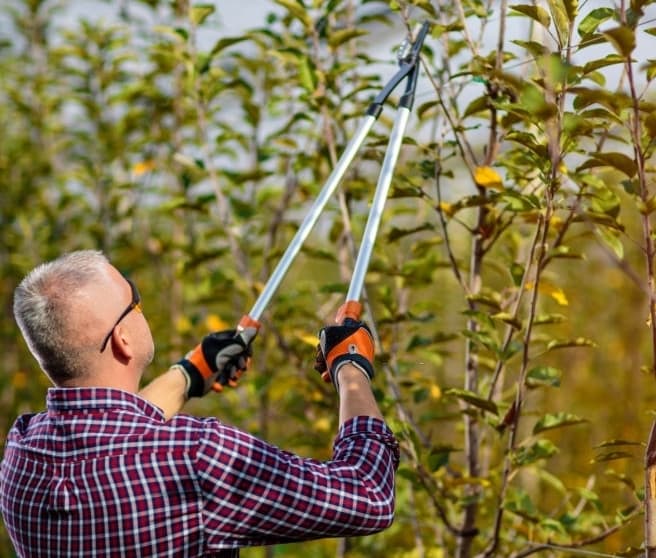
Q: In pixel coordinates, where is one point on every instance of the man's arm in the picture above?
(219, 359)
(355, 395)
(168, 391)
(259, 494)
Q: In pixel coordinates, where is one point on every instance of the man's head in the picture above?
(81, 320)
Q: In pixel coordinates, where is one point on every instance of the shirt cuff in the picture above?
(370, 428)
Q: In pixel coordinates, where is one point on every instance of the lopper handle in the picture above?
(245, 323)
(350, 309)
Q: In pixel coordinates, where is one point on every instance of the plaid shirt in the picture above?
(102, 474)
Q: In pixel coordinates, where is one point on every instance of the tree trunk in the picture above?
(650, 495)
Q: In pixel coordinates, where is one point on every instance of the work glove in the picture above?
(351, 342)
(220, 359)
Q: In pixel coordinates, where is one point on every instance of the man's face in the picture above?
(121, 308)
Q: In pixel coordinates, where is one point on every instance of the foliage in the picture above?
(523, 197)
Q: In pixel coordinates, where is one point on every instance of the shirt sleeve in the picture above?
(257, 494)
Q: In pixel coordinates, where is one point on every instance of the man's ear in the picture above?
(121, 346)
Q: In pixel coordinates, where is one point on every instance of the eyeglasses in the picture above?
(135, 304)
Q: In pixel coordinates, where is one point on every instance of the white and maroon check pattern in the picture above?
(102, 474)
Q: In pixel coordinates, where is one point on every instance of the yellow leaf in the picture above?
(322, 425)
(487, 177)
(435, 392)
(550, 290)
(556, 222)
(214, 323)
(447, 208)
(307, 338)
(556, 293)
(183, 325)
(143, 167)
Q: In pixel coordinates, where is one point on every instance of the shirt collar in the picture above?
(66, 399)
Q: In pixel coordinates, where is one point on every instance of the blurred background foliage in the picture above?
(511, 283)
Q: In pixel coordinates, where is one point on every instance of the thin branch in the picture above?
(205, 140)
(572, 546)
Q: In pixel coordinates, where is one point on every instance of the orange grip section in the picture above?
(198, 360)
(350, 309)
(362, 341)
(246, 322)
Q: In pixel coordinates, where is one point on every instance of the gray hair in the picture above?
(42, 311)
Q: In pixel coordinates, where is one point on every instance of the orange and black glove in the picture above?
(351, 342)
(220, 359)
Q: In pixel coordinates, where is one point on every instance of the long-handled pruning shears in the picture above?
(408, 56)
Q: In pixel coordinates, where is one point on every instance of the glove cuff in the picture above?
(195, 381)
(360, 362)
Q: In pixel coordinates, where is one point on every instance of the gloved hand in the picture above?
(220, 359)
(351, 343)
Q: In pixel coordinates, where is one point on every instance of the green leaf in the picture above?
(611, 239)
(615, 102)
(552, 526)
(561, 20)
(600, 114)
(424, 108)
(517, 273)
(225, 42)
(306, 74)
(242, 209)
(650, 69)
(176, 33)
(519, 202)
(419, 341)
(568, 343)
(650, 123)
(591, 22)
(589, 495)
(602, 63)
(439, 457)
(344, 35)
(571, 8)
(546, 319)
(508, 318)
(296, 10)
(615, 443)
(483, 338)
(537, 13)
(427, 6)
(532, 99)
(397, 233)
(543, 376)
(519, 502)
(623, 39)
(480, 104)
(540, 449)
(556, 420)
(473, 399)
(528, 141)
(612, 456)
(200, 12)
(535, 48)
(619, 161)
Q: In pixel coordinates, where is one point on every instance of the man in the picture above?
(108, 470)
